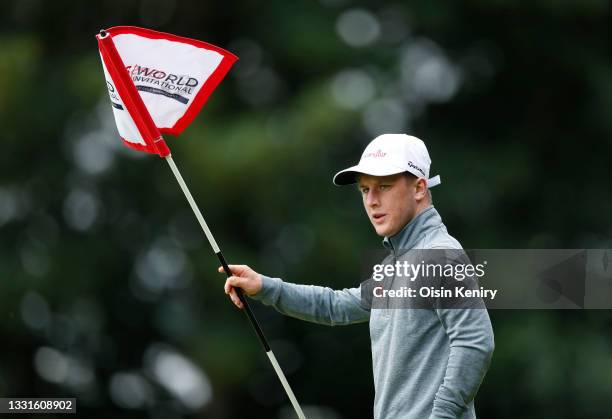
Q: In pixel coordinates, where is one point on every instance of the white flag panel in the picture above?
(173, 75)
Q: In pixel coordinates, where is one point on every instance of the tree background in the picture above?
(108, 290)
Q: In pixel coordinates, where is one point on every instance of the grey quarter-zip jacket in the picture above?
(427, 363)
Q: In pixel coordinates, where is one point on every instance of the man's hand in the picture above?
(242, 277)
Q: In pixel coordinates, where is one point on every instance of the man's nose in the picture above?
(372, 198)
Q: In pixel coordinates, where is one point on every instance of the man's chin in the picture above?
(381, 231)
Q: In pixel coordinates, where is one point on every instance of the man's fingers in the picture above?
(235, 298)
(231, 291)
(240, 278)
(235, 269)
(236, 281)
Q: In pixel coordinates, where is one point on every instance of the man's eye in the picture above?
(364, 190)
(384, 187)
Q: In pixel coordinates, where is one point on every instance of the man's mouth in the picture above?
(378, 217)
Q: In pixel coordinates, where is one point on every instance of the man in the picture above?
(427, 363)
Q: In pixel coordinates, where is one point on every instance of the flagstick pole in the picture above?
(247, 308)
(154, 140)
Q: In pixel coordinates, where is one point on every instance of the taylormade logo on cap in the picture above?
(410, 164)
(389, 154)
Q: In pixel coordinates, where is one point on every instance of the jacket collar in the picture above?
(410, 235)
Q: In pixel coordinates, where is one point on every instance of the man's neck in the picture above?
(406, 235)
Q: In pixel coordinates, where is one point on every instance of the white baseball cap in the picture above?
(389, 154)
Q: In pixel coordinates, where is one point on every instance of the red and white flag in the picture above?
(158, 82)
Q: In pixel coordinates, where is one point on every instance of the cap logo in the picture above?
(410, 164)
(378, 153)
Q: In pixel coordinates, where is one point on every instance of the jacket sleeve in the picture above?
(471, 347)
(470, 334)
(313, 303)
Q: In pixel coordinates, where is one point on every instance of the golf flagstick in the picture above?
(138, 129)
(247, 308)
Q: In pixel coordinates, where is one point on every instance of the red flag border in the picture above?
(205, 91)
(132, 101)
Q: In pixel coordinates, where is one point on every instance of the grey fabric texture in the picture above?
(427, 363)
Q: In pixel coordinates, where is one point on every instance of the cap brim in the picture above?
(349, 176)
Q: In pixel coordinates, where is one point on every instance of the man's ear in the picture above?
(420, 189)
